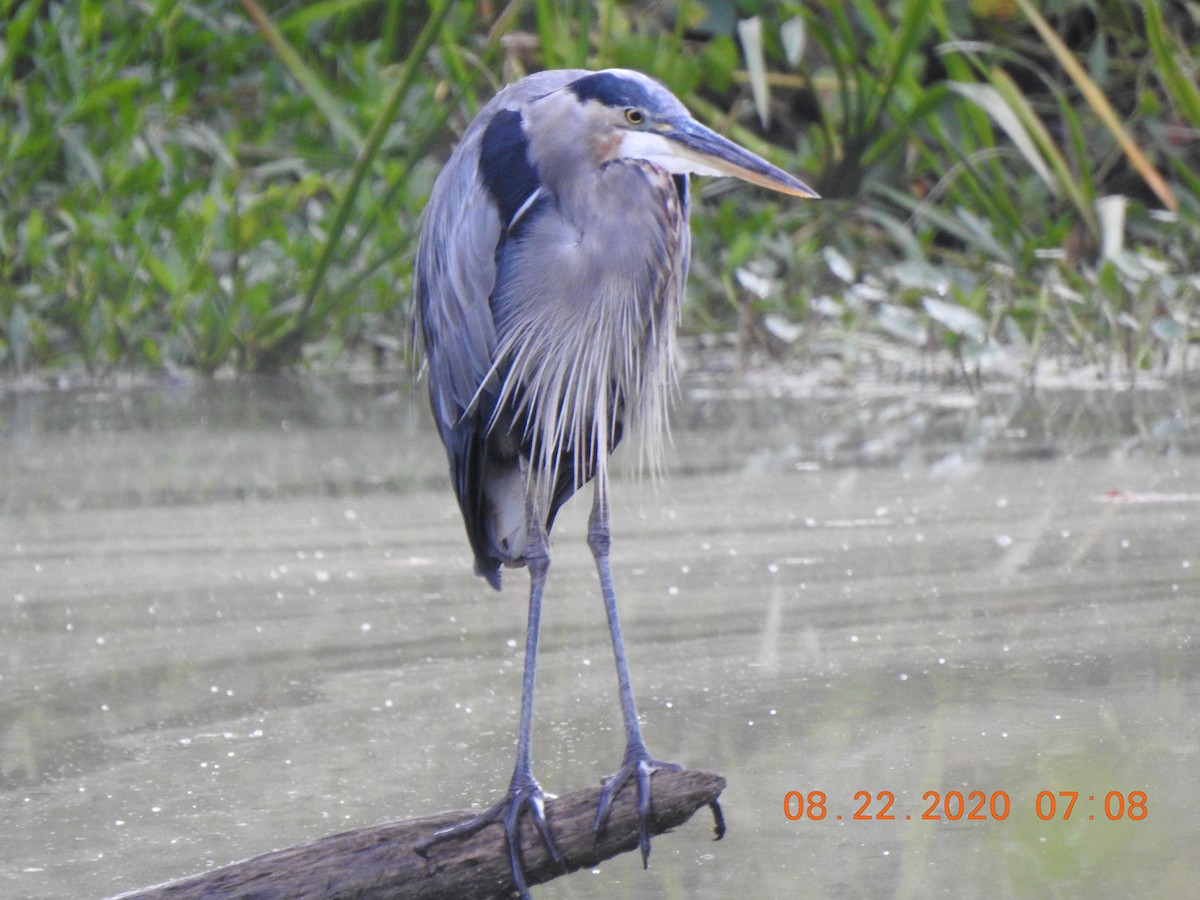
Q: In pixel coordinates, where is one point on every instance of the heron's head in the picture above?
(627, 115)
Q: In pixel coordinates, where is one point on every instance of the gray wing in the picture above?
(453, 279)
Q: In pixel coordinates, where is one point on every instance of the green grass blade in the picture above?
(1099, 103)
(310, 311)
(307, 78)
(989, 98)
(314, 13)
(912, 29)
(1180, 84)
(1029, 119)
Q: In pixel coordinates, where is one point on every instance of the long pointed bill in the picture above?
(705, 152)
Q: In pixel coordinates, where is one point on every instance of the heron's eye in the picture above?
(634, 116)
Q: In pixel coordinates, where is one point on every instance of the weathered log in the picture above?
(380, 861)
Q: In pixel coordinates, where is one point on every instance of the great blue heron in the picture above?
(548, 281)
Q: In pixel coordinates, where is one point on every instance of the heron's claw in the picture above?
(639, 765)
(718, 818)
(523, 794)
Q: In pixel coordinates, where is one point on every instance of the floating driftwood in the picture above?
(380, 861)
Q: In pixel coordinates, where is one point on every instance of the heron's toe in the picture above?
(637, 766)
(523, 795)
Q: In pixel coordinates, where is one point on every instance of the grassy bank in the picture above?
(236, 186)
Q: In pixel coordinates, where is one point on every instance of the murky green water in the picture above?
(235, 617)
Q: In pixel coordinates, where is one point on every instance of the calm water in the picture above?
(234, 617)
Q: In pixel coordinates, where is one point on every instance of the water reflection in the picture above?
(241, 615)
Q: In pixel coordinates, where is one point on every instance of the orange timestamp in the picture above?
(971, 806)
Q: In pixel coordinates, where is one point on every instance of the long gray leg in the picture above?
(524, 793)
(637, 763)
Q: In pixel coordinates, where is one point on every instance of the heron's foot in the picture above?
(637, 765)
(524, 794)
